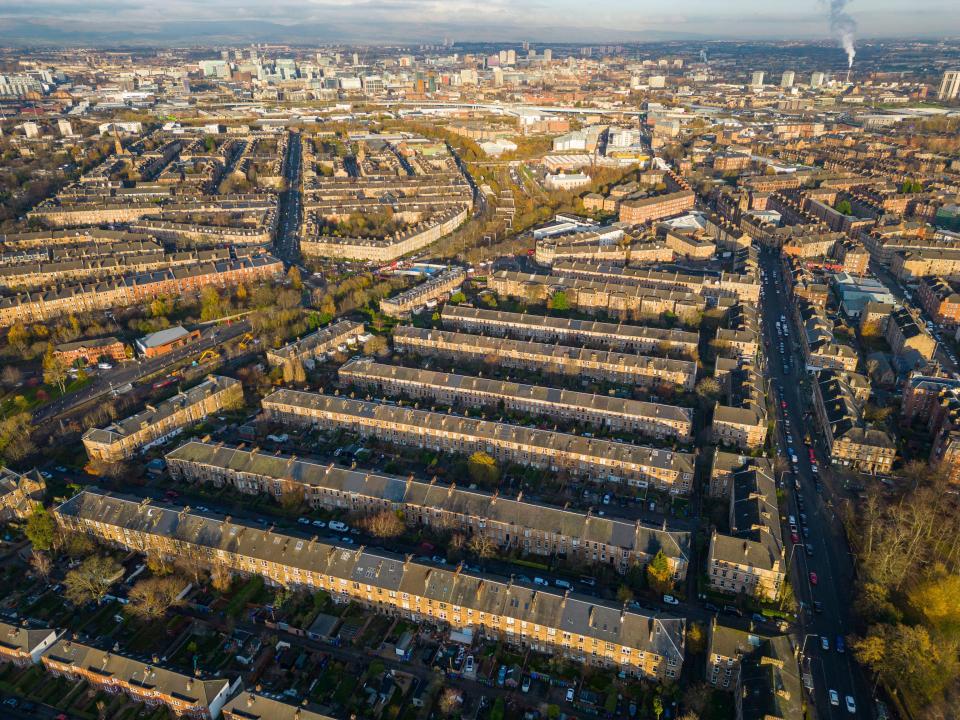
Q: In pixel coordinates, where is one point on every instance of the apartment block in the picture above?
(577, 627)
(910, 342)
(125, 438)
(760, 670)
(628, 368)
(24, 646)
(20, 493)
(941, 301)
(512, 523)
(252, 706)
(657, 207)
(598, 460)
(146, 682)
(725, 465)
(849, 441)
(91, 351)
(337, 337)
(434, 289)
(750, 560)
(621, 300)
(569, 331)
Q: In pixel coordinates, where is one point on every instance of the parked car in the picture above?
(840, 646)
(525, 686)
(813, 578)
(670, 600)
(824, 642)
(571, 693)
(339, 526)
(851, 705)
(834, 698)
(468, 664)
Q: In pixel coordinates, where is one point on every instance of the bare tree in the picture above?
(483, 545)
(41, 564)
(384, 524)
(153, 597)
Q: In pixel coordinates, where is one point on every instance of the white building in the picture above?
(950, 86)
(786, 80)
(756, 80)
(816, 79)
(563, 181)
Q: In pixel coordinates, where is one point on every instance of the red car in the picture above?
(813, 458)
(783, 404)
(794, 538)
(813, 578)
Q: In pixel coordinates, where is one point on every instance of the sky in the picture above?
(190, 21)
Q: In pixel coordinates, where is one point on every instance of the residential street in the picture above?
(831, 560)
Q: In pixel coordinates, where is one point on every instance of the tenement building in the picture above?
(602, 411)
(619, 337)
(512, 523)
(580, 628)
(419, 296)
(155, 424)
(550, 358)
(598, 460)
(337, 337)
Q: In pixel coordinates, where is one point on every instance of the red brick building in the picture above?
(940, 300)
(92, 351)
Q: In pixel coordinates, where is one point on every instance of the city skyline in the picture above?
(393, 21)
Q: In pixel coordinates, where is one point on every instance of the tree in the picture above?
(657, 706)
(151, 598)
(496, 712)
(450, 701)
(559, 301)
(221, 578)
(293, 276)
(292, 499)
(937, 600)
(483, 468)
(41, 564)
(624, 593)
(41, 529)
(19, 337)
(696, 638)
(458, 297)
(376, 345)
(11, 376)
(843, 207)
(483, 545)
(158, 564)
(384, 524)
(55, 369)
(210, 304)
(15, 441)
(659, 575)
(92, 580)
(708, 390)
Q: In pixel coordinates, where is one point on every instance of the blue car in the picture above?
(840, 645)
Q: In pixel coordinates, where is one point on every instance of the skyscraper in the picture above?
(816, 79)
(786, 80)
(547, 55)
(756, 80)
(950, 86)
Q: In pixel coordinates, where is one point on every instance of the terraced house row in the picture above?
(559, 359)
(598, 460)
(611, 336)
(580, 628)
(418, 296)
(534, 528)
(615, 413)
(617, 298)
(125, 438)
(744, 287)
(331, 338)
(135, 289)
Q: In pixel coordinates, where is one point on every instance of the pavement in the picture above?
(831, 560)
(130, 372)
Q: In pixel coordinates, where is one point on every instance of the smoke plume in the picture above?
(844, 27)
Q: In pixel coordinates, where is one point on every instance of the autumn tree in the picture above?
(211, 304)
(450, 701)
(559, 301)
(696, 638)
(483, 468)
(221, 578)
(55, 369)
(294, 278)
(92, 579)
(15, 441)
(293, 499)
(659, 575)
(151, 598)
(41, 529)
(376, 345)
(18, 336)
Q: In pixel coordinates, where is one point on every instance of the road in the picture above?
(106, 381)
(831, 559)
(287, 243)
